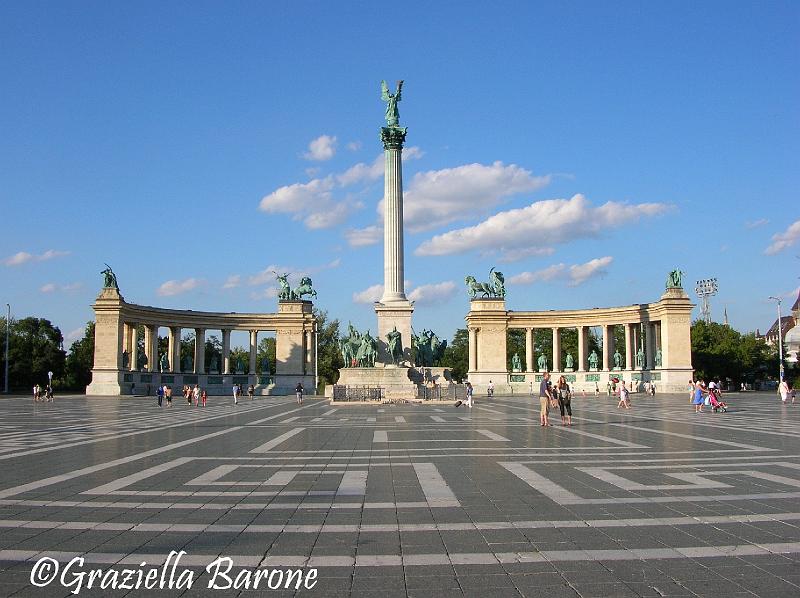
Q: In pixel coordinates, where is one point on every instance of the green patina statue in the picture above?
(187, 363)
(640, 359)
(141, 360)
(658, 358)
(110, 280)
(428, 348)
(125, 359)
(516, 363)
(593, 360)
(164, 364)
(392, 114)
(569, 361)
(542, 362)
(617, 359)
(395, 343)
(495, 288)
(305, 288)
(675, 280)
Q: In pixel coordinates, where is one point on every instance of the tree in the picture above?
(35, 348)
(329, 357)
(80, 361)
(720, 352)
(266, 348)
(456, 355)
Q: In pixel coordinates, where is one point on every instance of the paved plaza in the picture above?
(408, 500)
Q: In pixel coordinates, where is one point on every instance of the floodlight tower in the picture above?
(705, 289)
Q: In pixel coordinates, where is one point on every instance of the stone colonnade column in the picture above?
(226, 351)
(309, 365)
(529, 349)
(126, 343)
(556, 349)
(199, 351)
(134, 347)
(629, 346)
(174, 349)
(151, 366)
(649, 345)
(473, 349)
(582, 349)
(253, 349)
(608, 346)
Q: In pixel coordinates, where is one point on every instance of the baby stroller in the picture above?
(717, 404)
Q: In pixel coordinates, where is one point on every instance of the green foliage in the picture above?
(79, 362)
(329, 358)
(719, 351)
(266, 348)
(35, 347)
(456, 355)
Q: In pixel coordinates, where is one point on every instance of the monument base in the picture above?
(396, 314)
(395, 381)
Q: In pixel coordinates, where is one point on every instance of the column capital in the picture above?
(393, 137)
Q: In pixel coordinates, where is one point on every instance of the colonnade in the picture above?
(657, 345)
(116, 336)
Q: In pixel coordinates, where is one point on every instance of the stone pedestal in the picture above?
(396, 314)
(394, 380)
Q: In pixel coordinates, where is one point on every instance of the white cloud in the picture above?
(177, 287)
(438, 197)
(514, 255)
(784, 240)
(270, 273)
(369, 295)
(335, 214)
(51, 287)
(580, 273)
(24, 257)
(266, 293)
(433, 293)
(756, 223)
(573, 275)
(322, 148)
(362, 172)
(299, 197)
(354, 146)
(74, 335)
(539, 225)
(360, 237)
(232, 282)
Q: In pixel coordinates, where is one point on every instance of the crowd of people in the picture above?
(43, 393)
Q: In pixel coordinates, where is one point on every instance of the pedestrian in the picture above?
(204, 396)
(623, 396)
(697, 401)
(196, 395)
(251, 390)
(792, 392)
(596, 389)
(783, 389)
(691, 387)
(48, 393)
(545, 396)
(564, 401)
(168, 395)
(235, 394)
(189, 394)
(299, 392)
(609, 389)
(35, 392)
(160, 395)
(490, 389)
(470, 394)
(647, 387)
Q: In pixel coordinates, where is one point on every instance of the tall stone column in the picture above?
(174, 347)
(529, 349)
(556, 349)
(152, 360)
(134, 347)
(629, 342)
(473, 349)
(310, 348)
(608, 346)
(649, 345)
(199, 351)
(253, 350)
(226, 351)
(394, 309)
(582, 358)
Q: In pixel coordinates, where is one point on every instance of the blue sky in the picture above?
(585, 149)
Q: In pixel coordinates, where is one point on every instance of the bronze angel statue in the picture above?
(392, 114)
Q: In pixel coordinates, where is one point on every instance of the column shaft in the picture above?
(556, 349)
(629, 352)
(151, 366)
(134, 347)
(226, 351)
(171, 349)
(199, 351)
(529, 349)
(582, 348)
(253, 350)
(393, 267)
(608, 346)
(649, 345)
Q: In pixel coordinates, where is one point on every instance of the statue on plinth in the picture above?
(617, 360)
(125, 359)
(675, 280)
(495, 288)
(265, 366)
(187, 363)
(141, 360)
(391, 99)
(305, 288)
(394, 339)
(542, 362)
(593, 360)
(164, 363)
(516, 363)
(658, 358)
(367, 351)
(239, 365)
(110, 279)
(640, 359)
(349, 345)
(285, 292)
(569, 362)
(213, 366)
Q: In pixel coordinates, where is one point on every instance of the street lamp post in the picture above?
(780, 339)
(8, 327)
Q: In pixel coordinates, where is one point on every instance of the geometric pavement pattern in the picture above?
(410, 500)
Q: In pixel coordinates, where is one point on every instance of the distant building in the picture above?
(791, 338)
